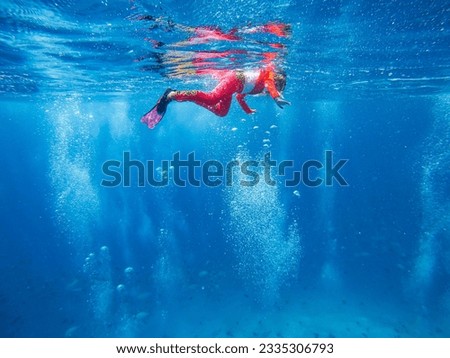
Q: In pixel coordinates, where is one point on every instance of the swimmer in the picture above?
(218, 101)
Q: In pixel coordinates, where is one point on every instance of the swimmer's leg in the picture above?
(221, 109)
(218, 105)
(217, 101)
(199, 97)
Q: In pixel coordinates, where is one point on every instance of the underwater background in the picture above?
(367, 80)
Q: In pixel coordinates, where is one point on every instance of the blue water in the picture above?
(367, 80)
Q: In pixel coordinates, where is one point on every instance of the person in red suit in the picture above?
(218, 101)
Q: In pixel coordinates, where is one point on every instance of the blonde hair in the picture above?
(280, 80)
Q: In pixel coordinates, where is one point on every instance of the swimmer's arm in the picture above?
(271, 87)
(241, 99)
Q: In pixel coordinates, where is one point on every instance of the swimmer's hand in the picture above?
(281, 102)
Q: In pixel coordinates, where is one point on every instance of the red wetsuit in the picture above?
(242, 83)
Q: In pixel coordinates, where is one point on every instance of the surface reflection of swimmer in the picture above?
(218, 101)
(204, 34)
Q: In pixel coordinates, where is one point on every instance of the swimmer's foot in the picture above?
(161, 107)
(156, 114)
